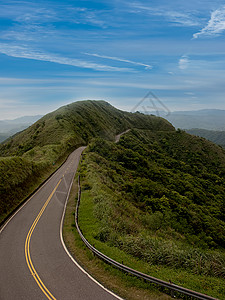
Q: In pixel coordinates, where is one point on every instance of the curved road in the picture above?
(33, 261)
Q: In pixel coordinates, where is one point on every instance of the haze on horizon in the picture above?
(56, 52)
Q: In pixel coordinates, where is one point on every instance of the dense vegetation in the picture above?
(76, 124)
(16, 176)
(217, 137)
(37, 151)
(160, 196)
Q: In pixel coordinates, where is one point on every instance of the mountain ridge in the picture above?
(38, 150)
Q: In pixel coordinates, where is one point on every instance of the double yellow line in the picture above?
(27, 249)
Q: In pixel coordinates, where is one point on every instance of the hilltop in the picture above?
(76, 124)
(30, 156)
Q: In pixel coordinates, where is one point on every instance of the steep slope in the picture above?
(160, 197)
(44, 145)
(170, 172)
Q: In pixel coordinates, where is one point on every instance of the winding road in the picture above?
(34, 262)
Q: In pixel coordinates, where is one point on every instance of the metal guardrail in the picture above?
(168, 285)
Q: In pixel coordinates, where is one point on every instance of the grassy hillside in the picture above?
(217, 137)
(76, 124)
(41, 147)
(16, 176)
(159, 197)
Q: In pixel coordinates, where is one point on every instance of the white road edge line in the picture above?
(67, 251)
(61, 225)
(28, 200)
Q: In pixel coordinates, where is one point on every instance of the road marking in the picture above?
(27, 249)
(28, 200)
(34, 273)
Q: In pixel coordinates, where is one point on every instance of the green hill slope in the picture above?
(44, 145)
(160, 197)
(76, 124)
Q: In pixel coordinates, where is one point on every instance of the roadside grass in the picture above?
(127, 287)
(19, 177)
(89, 225)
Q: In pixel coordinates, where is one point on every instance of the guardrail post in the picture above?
(172, 291)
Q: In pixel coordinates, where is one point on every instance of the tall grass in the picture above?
(91, 226)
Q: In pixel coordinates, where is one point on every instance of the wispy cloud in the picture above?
(215, 26)
(22, 12)
(31, 21)
(173, 16)
(184, 62)
(23, 52)
(121, 59)
(28, 12)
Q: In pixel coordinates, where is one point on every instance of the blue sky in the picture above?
(55, 52)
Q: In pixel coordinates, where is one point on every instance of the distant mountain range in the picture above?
(10, 127)
(217, 137)
(210, 119)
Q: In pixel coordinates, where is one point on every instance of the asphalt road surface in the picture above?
(117, 138)
(34, 263)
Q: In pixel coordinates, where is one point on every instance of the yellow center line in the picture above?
(27, 249)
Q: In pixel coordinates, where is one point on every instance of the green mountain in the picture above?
(31, 155)
(159, 198)
(217, 137)
(76, 124)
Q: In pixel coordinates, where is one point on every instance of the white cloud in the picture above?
(136, 85)
(176, 17)
(215, 26)
(180, 18)
(120, 59)
(184, 62)
(23, 52)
